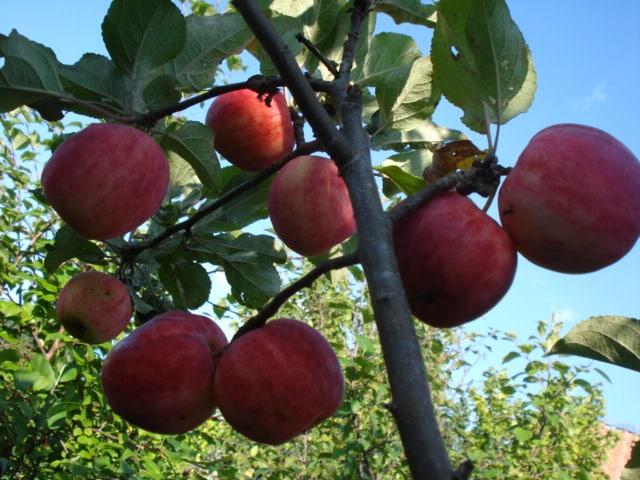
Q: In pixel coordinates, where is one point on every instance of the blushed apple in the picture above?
(275, 382)
(572, 201)
(94, 307)
(309, 205)
(455, 261)
(106, 180)
(160, 377)
(250, 132)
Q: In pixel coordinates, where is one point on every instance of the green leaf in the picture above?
(29, 74)
(632, 468)
(9, 355)
(248, 264)
(522, 435)
(141, 35)
(180, 172)
(389, 54)
(161, 92)
(407, 97)
(39, 375)
(611, 339)
(193, 142)
(60, 411)
(407, 11)
(291, 8)
(510, 356)
(95, 78)
(405, 181)
(425, 136)
(69, 375)
(187, 282)
(70, 244)
(209, 40)
(482, 62)
(253, 284)
(246, 247)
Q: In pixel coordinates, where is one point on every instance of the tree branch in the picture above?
(414, 412)
(331, 65)
(258, 83)
(132, 250)
(305, 281)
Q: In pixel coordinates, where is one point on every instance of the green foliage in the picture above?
(482, 62)
(611, 339)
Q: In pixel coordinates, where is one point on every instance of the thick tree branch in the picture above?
(413, 409)
(134, 249)
(413, 412)
(305, 281)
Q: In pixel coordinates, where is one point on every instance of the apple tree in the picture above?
(144, 195)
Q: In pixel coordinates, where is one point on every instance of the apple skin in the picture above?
(572, 201)
(309, 205)
(106, 180)
(455, 261)
(94, 307)
(275, 382)
(248, 133)
(160, 377)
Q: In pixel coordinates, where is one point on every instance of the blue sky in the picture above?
(586, 56)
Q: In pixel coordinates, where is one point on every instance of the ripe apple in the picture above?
(106, 180)
(275, 382)
(572, 201)
(160, 377)
(455, 262)
(94, 307)
(249, 133)
(309, 205)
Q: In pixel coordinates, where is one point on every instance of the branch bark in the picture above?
(412, 407)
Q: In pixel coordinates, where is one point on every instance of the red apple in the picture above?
(455, 262)
(106, 180)
(249, 133)
(160, 377)
(309, 205)
(572, 202)
(94, 307)
(277, 381)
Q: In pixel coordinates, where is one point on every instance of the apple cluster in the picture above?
(170, 374)
(271, 384)
(571, 204)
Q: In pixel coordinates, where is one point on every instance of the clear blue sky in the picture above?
(586, 56)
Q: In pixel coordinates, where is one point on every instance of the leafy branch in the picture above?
(131, 250)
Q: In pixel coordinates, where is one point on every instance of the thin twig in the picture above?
(330, 64)
(258, 83)
(281, 298)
